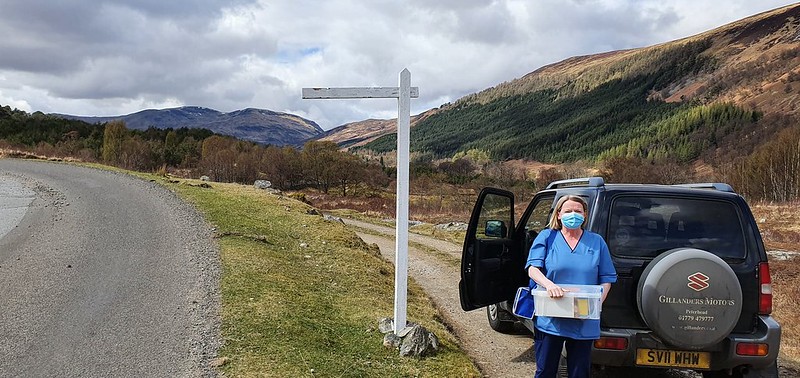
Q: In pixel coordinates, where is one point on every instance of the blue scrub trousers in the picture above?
(548, 353)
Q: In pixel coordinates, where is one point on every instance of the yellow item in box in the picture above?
(579, 302)
(581, 308)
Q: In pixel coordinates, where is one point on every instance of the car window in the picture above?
(648, 226)
(496, 217)
(540, 214)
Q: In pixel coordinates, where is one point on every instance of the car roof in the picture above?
(670, 189)
(715, 190)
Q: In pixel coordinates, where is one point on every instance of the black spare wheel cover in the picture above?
(689, 297)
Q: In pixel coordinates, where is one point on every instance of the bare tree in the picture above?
(113, 137)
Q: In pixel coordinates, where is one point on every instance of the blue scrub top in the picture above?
(588, 264)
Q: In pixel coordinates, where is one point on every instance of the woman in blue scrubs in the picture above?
(571, 256)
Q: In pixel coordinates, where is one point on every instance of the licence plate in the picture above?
(673, 358)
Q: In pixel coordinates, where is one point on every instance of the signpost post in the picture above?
(403, 94)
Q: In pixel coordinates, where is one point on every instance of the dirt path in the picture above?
(497, 355)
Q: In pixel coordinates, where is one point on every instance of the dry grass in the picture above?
(779, 225)
(780, 228)
(19, 154)
(449, 205)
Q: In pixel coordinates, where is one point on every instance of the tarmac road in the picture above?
(105, 275)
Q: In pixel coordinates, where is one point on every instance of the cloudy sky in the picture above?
(113, 57)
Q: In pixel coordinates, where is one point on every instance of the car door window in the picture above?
(495, 218)
(540, 214)
(538, 218)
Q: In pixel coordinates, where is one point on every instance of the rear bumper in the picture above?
(723, 354)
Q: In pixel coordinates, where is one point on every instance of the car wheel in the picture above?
(770, 371)
(721, 374)
(500, 320)
(767, 372)
(690, 298)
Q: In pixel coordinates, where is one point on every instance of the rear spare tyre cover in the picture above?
(690, 298)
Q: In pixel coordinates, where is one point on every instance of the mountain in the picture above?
(357, 134)
(714, 96)
(257, 125)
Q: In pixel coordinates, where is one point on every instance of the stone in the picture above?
(205, 178)
(262, 184)
(331, 218)
(405, 331)
(385, 325)
(452, 226)
(419, 342)
(390, 340)
(219, 362)
(413, 340)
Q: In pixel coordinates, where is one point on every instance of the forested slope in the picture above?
(717, 95)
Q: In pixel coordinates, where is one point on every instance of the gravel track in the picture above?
(496, 354)
(106, 275)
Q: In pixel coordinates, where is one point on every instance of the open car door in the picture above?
(491, 261)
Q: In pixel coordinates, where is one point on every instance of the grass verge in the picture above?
(301, 296)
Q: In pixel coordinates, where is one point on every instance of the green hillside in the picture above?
(613, 118)
(716, 95)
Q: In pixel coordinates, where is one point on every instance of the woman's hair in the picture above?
(555, 223)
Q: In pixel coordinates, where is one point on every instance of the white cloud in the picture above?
(108, 57)
(14, 104)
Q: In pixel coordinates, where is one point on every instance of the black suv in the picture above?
(693, 288)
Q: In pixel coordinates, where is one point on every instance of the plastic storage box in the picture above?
(579, 302)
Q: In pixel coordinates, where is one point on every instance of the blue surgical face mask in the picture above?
(572, 220)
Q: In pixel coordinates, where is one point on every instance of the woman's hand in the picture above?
(555, 291)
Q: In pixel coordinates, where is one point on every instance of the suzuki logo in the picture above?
(698, 281)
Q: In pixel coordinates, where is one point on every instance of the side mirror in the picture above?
(496, 229)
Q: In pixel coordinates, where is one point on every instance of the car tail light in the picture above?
(751, 349)
(765, 289)
(615, 343)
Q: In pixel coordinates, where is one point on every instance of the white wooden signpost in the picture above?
(403, 94)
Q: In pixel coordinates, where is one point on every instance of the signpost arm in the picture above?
(401, 228)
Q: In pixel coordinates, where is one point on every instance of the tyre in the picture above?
(721, 374)
(500, 320)
(690, 298)
(770, 371)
